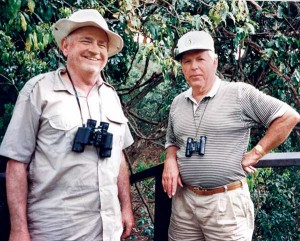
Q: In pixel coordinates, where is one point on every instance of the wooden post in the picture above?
(162, 210)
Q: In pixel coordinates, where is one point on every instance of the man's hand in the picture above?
(127, 221)
(278, 131)
(249, 160)
(171, 177)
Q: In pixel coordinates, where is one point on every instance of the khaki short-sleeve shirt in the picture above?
(71, 196)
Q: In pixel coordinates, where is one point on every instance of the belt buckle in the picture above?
(199, 188)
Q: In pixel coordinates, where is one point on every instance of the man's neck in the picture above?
(83, 83)
(199, 93)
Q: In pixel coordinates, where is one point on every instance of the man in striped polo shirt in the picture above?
(207, 138)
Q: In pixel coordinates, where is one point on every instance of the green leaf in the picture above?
(23, 22)
(280, 12)
(269, 52)
(14, 7)
(35, 41)
(31, 5)
(231, 16)
(206, 19)
(197, 22)
(250, 27)
(46, 39)
(294, 59)
(153, 29)
(240, 35)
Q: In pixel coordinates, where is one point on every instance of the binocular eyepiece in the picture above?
(98, 137)
(195, 146)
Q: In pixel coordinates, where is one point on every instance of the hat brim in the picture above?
(64, 27)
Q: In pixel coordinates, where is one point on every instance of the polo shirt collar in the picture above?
(213, 91)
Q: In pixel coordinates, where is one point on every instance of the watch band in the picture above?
(260, 150)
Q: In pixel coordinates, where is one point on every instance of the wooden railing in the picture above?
(162, 202)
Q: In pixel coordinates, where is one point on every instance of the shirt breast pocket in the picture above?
(57, 130)
(117, 128)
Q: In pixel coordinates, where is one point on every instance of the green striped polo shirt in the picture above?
(225, 116)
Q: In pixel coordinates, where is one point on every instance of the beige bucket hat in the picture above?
(85, 18)
(194, 40)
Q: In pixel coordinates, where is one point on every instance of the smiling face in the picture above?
(199, 68)
(86, 50)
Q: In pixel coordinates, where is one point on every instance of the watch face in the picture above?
(260, 150)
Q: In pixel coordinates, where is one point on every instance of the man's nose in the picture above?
(95, 48)
(194, 65)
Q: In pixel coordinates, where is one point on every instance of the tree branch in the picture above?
(254, 4)
(135, 129)
(142, 119)
(270, 63)
(150, 84)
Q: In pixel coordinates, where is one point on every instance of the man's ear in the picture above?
(216, 59)
(64, 46)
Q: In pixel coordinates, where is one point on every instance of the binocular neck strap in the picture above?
(76, 95)
(197, 128)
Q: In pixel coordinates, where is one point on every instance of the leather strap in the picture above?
(211, 191)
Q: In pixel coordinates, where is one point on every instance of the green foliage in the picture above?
(275, 193)
(147, 189)
(147, 78)
(148, 185)
(147, 228)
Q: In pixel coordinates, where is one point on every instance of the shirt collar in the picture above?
(61, 85)
(212, 92)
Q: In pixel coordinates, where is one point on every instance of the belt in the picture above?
(211, 191)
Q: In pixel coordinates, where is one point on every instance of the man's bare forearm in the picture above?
(124, 184)
(171, 153)
(125, 198)
(16, 186)
(170, 176)
(277, 132)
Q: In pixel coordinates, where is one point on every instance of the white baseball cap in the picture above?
(87, 18)
(194, 40)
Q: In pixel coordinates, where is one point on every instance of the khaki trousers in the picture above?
(222, 216)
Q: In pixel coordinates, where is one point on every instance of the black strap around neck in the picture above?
(76, 95)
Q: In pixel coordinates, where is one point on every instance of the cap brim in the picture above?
(179, 55)
(64, 27)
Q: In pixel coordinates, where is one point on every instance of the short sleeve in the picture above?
(170, 136)
(258, 108)
(20, 138)
(128, 140)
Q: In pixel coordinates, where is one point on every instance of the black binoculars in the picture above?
(98, 137)
(195, 146)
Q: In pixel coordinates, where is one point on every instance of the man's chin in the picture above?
(92, 69)
(197, 83)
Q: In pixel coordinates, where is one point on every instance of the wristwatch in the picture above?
(260, 150)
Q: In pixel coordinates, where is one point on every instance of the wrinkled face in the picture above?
(199, 68)
(86, 50)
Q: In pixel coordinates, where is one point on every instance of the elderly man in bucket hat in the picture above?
(66, 171)
(206, 141)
